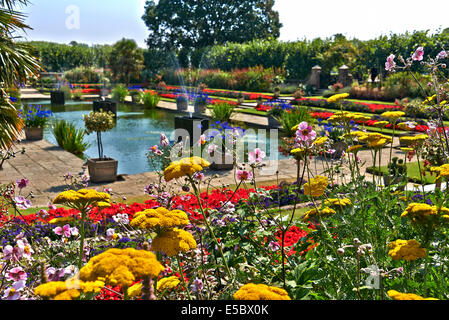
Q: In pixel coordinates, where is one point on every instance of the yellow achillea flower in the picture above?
(184, 167)
(346, 116)
(408, 250)
(338, 97)
(318, 213)
(393, 114)
(412, 140)
(354, 149)
(173, 242)
(167, 283)
(159, 218)
(135, 290)
(253, 291)
(337, 202)
(430, 99)
(81, 197)
(381, 124)
(422, 213)
(320, 141)
(379, 143)
(443, 171)
(68, 290)
(121, 267)
(406, 150)
(396, 295)
(61, 221)
(315, 187)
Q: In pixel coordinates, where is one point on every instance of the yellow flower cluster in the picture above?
(68, 290)
(159, 218)
(408, 250)
(168, 283)
(393, 114)
(61, 221)
(338, 97)
(346, 116)
(381, 124)
(318, 213)
(413, 140)
(430, 99)
(406, 296)
(443, 171)
(320, 141)
(299, 152)
(173, 241)
(135, 290)
(253, 291)
(339, 203)
(81, 197)
(421, 213)
(121, 267)
(354, 149)
(315, 187)
(373, 139)
(184, 167)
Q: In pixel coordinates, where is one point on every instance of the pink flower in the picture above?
(12, 253)
(390, 64)
(305, 132)
(13, 293)
(25, 248)
(16, 274)
(65, 231)
(211, 149)
(22, 183)
(243, 175)
(155, 150)
(198, 176)
(442, 55)
(419, 54)
(202, 140)
(256, 156)
(164, 140)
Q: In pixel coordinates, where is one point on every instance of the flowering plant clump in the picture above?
(184, 167)
(35, 117)
(408, 250)
(253, 291)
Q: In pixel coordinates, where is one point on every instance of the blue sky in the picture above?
(107, 21)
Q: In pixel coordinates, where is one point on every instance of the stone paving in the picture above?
(45, 166)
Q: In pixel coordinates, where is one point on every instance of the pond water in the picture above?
(136, 131)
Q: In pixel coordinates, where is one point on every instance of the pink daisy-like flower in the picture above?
(16, 274)
(22, 203)
(256, 156)
(390, 64)
(419, 54)
(305, 132)
(13, 293)
(164, 140)
(65, 231)
(22, 183)
(243, 175)
(442, 55)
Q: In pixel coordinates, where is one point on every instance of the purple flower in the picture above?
(442, 55)
(419, 54)
(22, 183)
(390, 64)
(13, 293)
(197, 285)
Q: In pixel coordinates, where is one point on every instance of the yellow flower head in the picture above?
(396, 295)
(338, 97)
(184, 167)
(339, 203)
(253, 291)
(430, 99)
(68, 290)
(314, 214)
(414, 140)
(135, 290)
(121, 267)
(167, 283)
(393, 115)
(381, 124)
(354, 149)
(421, 213)
(443, 171)
(320, 141)
(159, 218)
(173, 242)
(315, 187)
(61, 221)
(408, 250)
(81, 197)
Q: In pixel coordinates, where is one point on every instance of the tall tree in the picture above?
(180, 24)
(126, 60)
(16, 64)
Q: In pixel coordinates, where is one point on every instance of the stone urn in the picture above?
(34, 134)
(182, 104)
(102, 170)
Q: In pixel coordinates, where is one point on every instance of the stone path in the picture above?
(45, 166)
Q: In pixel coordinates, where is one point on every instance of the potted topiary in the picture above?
(35, 120)
(201, 102)
(276, 93)
(182, 103)
(274, 115)
(102, 169)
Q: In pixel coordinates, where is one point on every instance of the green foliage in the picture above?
(291, 118)
(67, 92)
(126, 61)
(70, 138)
(150, 99)
(82, 75)
(119, 93)
(185, 24)
(222, 111)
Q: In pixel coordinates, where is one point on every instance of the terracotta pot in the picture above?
(34, 134)
(102, 170)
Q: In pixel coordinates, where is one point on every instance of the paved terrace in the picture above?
(45, 165)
